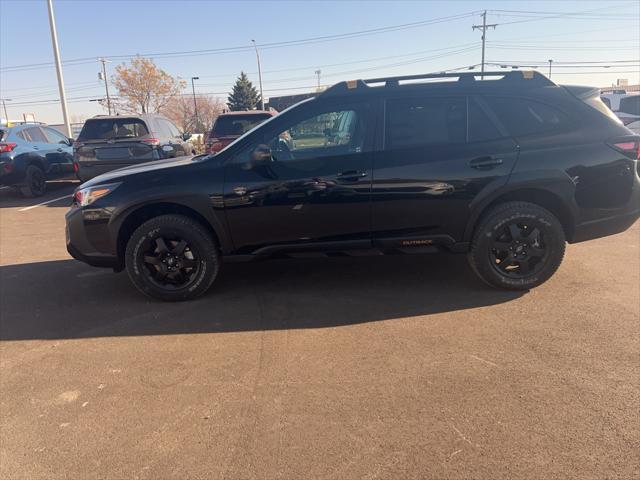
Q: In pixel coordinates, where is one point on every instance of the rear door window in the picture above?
(527, 117)
(36, 135)
(412, 122)
(630, 105)
(606, 101)
(483, 124)
(113, 128)
(54, 136)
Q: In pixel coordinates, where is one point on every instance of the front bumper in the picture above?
(79, 241)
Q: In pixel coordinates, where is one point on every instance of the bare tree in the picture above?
(143, 87)
(180, 110)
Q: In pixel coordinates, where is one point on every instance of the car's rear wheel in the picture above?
(517, 246)
(35, 182)
(172, 258)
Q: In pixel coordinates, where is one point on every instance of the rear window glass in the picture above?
(526, 117)
(3, 133)
(630, 105)
(113, 128)
(414, 122)
(236, 125)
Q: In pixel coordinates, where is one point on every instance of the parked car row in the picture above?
(33, 153)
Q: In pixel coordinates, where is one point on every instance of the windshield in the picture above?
(113, 128)
(235, 125)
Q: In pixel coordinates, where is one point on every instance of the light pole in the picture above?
(4, 105)
(195, 105)
(56, 54)
(318, 72)
(106, 84)
(550, 62)
(259, 75)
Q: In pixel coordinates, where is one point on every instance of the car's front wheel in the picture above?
(172, 258)
(517, 246)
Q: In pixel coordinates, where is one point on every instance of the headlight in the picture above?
(87, 196)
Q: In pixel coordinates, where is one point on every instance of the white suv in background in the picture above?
(626, 106)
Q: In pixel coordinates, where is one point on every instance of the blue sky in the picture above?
(595, 31)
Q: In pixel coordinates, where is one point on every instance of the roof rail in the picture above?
(532, 78)
(26, 123)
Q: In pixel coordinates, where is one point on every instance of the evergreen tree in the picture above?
(244, 95)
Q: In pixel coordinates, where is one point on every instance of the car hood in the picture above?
(148, 167)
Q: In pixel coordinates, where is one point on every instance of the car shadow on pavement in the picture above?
(67, 299)
(10, 198)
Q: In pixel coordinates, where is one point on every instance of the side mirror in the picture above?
(70, 142)
(261, 155)
(186, 136)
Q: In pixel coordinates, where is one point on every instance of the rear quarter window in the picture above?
(523, 116)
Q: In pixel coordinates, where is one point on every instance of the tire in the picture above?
(517, 246)
(35, 182)
(164, 251)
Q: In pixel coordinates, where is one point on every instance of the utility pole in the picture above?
(259, 75)
(195, 105)
(106, 84)
(4, 105)
(484, 28)
(550, 62)
(56, 54)
(318, 72)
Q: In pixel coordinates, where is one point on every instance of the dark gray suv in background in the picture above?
(110, 142)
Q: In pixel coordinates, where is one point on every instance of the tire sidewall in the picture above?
(197, 239)
(536, 217)
(27, 190)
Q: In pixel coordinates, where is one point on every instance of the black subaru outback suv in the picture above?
(506, 169)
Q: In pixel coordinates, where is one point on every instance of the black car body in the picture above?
(378, 166)
(110, 142)
(32, 153)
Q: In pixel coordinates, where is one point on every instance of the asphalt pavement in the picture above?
(343, 368)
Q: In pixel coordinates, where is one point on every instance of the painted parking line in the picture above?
(44, 203)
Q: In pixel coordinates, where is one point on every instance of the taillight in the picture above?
(76, 167)
(630, 148)
(6, 147)
(151, 141)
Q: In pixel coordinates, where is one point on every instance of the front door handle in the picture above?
(352, 175)
(485, 163)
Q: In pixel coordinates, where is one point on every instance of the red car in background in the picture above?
(232, 125)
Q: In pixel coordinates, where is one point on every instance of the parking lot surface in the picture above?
(383, 367)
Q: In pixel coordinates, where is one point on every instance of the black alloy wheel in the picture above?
(172, 258)
(170, 261)
(518, 250)
(35, 182)
(517, 246)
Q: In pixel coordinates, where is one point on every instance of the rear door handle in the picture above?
(485, 162)
(351, 175)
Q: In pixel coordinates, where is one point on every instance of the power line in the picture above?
(304, 41)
